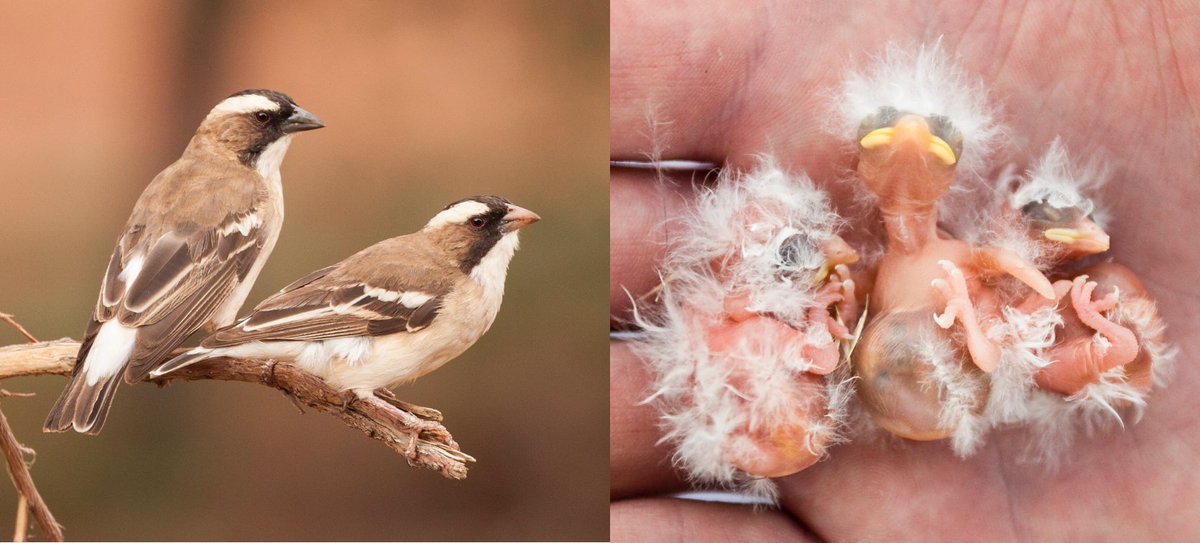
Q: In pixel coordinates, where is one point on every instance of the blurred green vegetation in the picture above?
(425, 103)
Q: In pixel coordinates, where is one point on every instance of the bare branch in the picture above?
(28, 497)
(10, 320)
(21, 527)
(377, 418)
(19, 471)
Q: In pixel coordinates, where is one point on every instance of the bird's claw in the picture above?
(427, 413)
(954, 290)
(1081, 298)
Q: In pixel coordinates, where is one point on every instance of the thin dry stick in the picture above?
(377, 418)
(22, 523)
(10, 320)
(27, 493)
(19, 472)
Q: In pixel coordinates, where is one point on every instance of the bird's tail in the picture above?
(181, 361)
(83, 406)
(85, 403)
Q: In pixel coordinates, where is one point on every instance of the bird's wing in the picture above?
(334, 303)
(168, 285)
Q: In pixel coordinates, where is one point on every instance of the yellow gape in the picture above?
(937, 146)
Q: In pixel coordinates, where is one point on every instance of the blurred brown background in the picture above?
(425, 103)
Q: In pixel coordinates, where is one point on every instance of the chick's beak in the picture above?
(1087, 237)
(301, 120)
(836, 252)
(518, 218)
(910, 133)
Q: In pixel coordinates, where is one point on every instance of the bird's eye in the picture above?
(478, 222)
(262, 117)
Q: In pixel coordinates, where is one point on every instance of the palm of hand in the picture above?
(733, 82)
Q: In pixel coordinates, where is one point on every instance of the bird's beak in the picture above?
(1087, 237)
(910, 132)
(300, 121)
(836, 252)
(518, 218)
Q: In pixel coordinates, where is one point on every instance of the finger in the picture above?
(639, 464)
(673, 519)
(640, 208)
(733, 90)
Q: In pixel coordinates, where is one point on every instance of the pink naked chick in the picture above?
(1111, 334)
(745, 349)
(924, 344)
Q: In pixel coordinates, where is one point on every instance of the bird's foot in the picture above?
(347, 399)
(953, 289)
(1091, 311)
(433, 429)
(427, 413)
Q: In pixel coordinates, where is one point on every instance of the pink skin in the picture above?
(922, 270)
(1078, 360)
(780, 450)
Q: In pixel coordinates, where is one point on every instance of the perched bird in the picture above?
(744, 349)
(390, 313)
(190, 252)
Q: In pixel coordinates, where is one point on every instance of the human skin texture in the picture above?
(724, 80)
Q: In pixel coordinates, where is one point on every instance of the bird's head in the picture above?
(815, 255)
(255, 127)
(1069, 229)
(481, 231)
(1052, 202)
(907, 160)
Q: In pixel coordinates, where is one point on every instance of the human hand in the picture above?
(726, 82)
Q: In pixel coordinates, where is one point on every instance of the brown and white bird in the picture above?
(190, 252)
(390, 313)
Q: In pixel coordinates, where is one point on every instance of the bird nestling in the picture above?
(921, 361)
(390, 313)
(189, 253)
(745, 352)
(1100, 347)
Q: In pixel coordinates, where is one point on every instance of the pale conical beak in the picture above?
(1085, 238)
(300, 121)
(911, 131)
(518, 218)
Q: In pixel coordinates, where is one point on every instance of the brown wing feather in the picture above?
(183, 282)
(360, 296)
(191, 260)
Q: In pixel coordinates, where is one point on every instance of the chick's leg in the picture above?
(1036, 302)
(1080, 362)
(1003, 261)
(848, 307)
(984, 353)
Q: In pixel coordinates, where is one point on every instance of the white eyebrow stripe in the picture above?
(458, 213)
(245, 103)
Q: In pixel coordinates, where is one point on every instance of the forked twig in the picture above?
(28, 497)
